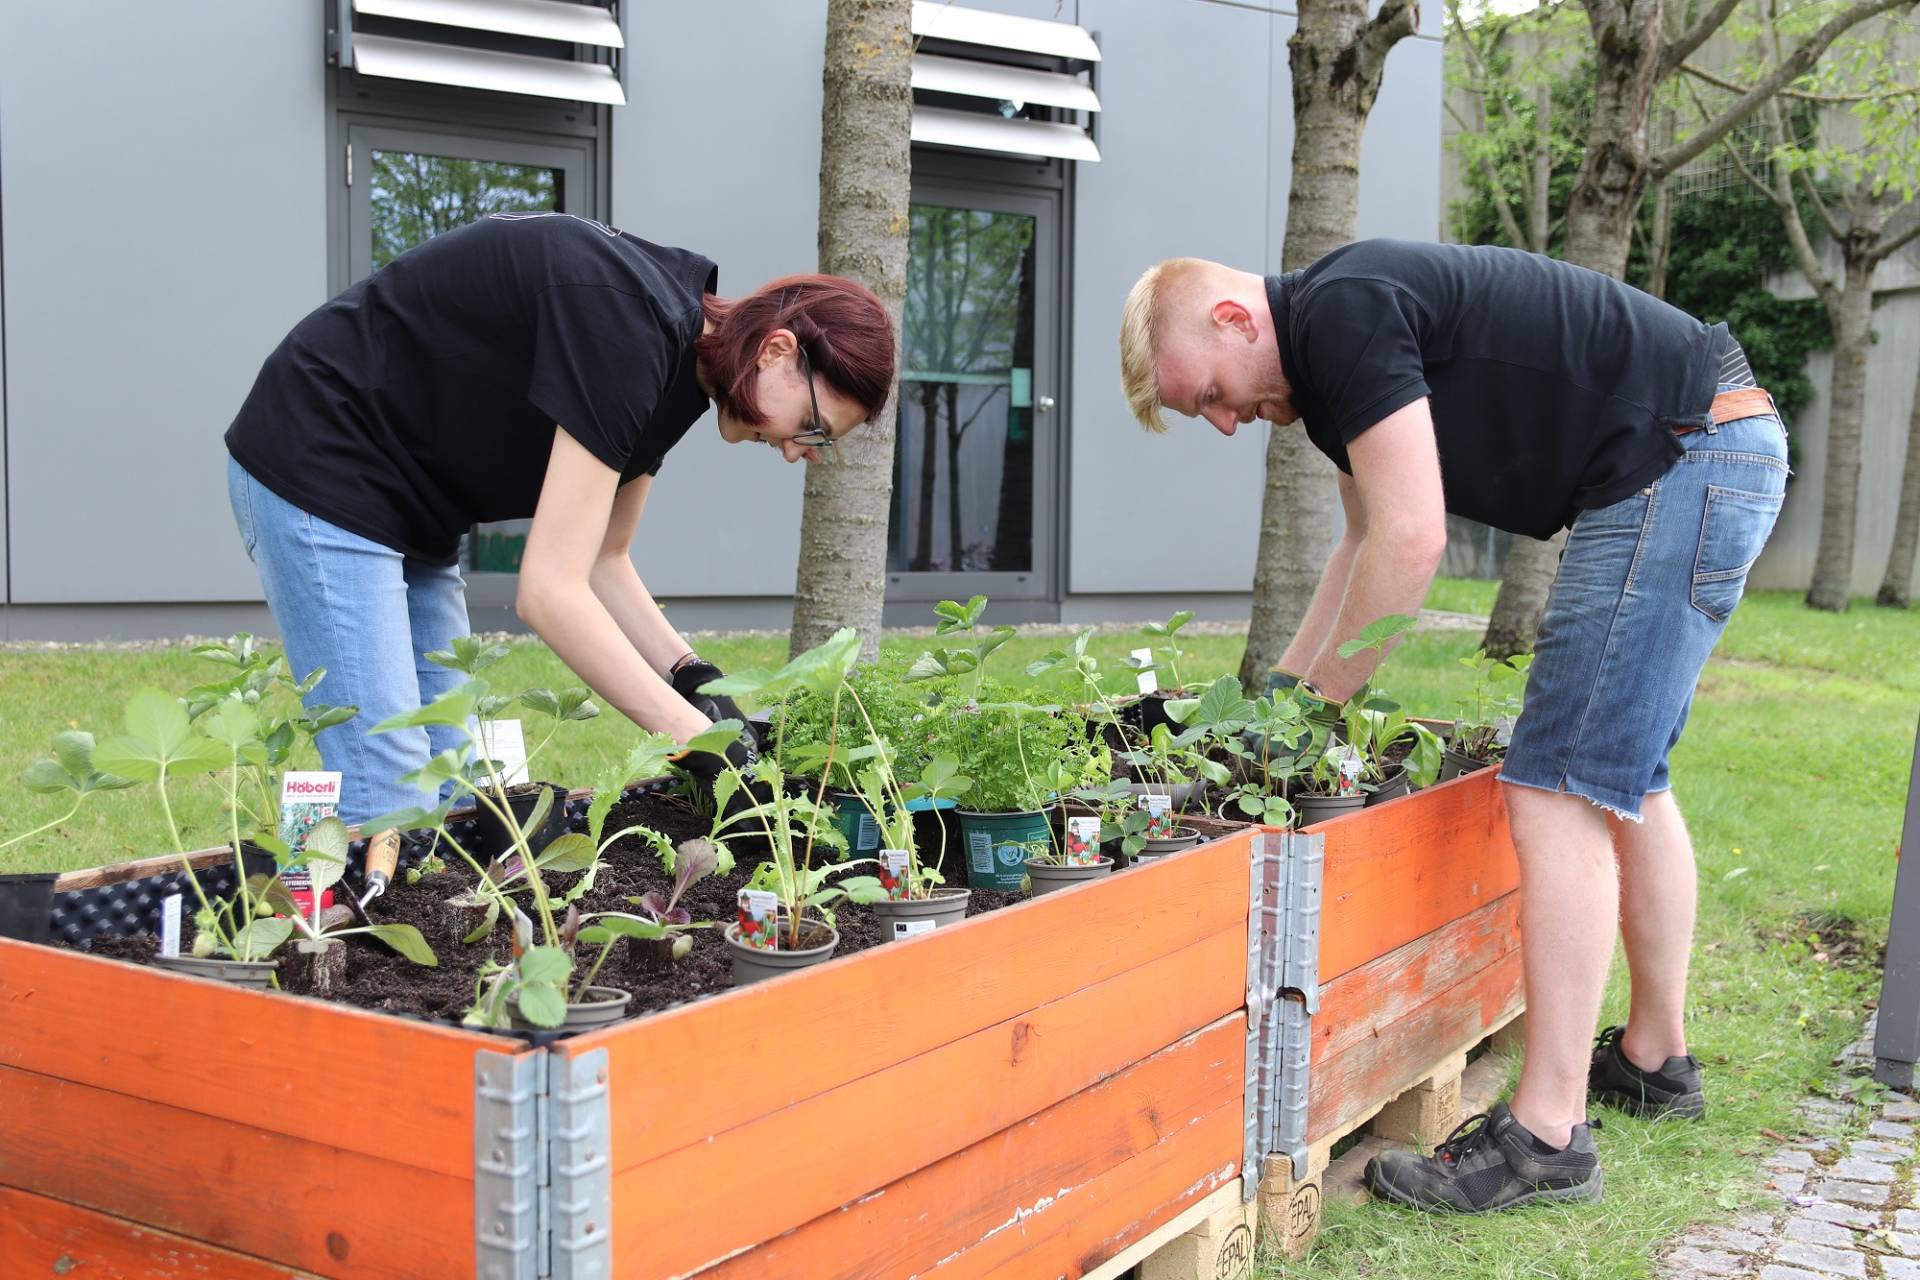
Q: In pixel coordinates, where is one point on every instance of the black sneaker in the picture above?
(1490, 1162)
(1613, 1081)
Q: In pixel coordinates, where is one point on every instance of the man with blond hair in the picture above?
(1530, 395)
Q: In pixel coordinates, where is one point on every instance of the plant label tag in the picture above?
(305, 798)
(1159, 815)
(907, 928)
(1503, 732)
(1349, 769)
(893, 873)
(759, 919)
(980, 852)
(170, 926)
(1149, 681)
(1083, 840)
(505, 743)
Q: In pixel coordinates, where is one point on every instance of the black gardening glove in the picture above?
(705, 768)
(693, 671)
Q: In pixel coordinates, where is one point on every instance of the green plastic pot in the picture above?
(997, 845)
(855, 824)
(1455, 764)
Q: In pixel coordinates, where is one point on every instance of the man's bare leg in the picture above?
(1569, 903)
(1658, 888)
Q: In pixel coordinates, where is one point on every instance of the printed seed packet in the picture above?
(759, 919)
(1083, 841)
(1159, 816)
(305, 798)
(893, 873)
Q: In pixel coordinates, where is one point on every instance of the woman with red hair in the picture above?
(525, 365)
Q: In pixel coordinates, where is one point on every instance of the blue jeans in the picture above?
(1644, 590)
(368, 614)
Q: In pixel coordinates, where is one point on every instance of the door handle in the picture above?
(1044, 404)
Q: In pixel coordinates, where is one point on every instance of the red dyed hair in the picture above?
(841, 325)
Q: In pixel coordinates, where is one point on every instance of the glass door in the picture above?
(974, 450)
(409, 185)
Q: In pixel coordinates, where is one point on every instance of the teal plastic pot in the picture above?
(997, 845)
(851, 820)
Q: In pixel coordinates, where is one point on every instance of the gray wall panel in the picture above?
(1185, 149)
(732, 169)
(164, 225)
(1400, 152)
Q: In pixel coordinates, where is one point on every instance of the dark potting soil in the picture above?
(380, 979)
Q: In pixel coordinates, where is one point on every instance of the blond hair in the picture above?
(1141, 328)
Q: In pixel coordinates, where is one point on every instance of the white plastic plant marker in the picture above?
(170, 926)
(907, 928)
(1149, 681)
(505, 743)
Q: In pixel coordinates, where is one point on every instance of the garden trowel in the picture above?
(383, 854)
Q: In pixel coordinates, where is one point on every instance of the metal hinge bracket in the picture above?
(542, 1173)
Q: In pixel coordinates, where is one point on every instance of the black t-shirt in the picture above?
(423, 399)
(1554, 389)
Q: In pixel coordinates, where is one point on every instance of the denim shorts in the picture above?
(1644, 590)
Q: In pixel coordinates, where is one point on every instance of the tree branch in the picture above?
(1801, 95)
(1396, 20)
(1803, 254)
(1819, 203)
(1791, 68)
(1887, 248)
(1681, 49)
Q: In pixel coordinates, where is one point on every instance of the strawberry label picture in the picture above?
(893, 873)
(1083, 840)
(758, 918)
(1349, 770)
(1159, 816)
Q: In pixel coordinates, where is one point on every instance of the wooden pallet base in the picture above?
(1421, 1117)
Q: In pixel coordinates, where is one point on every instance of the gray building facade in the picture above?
(179, 185)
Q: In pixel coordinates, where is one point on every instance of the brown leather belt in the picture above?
(1731, 406)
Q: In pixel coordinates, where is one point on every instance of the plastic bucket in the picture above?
(997, 845)
(855, 824)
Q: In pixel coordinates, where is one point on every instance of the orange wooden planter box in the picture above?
(1044, 1091)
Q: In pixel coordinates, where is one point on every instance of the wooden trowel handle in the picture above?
(383, 853)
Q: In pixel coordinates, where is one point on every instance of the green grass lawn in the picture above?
(1793, 775)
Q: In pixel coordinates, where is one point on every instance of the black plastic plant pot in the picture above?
(907, 917)
(1049, 877)
(1397, 784)
(255, 974)
(491, 839)
(1456, 764)
(1312, 809)
(756, 964)
(1153, 849)
(26, 905)
(1183, 794)
(596, 1008)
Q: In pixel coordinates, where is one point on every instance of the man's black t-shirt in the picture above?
(423, 399)
(1554, 389)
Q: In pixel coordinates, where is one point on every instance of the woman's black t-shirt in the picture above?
(1554, 389)
(423, 400)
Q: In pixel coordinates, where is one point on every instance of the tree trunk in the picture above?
(1897, 587)
(865, 118)
(1832, 586)
(1336, 56)
(1612, 177)
(1522, 599)
(1613, 170)
(954, 431)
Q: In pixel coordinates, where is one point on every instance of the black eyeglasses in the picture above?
(818, 437)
